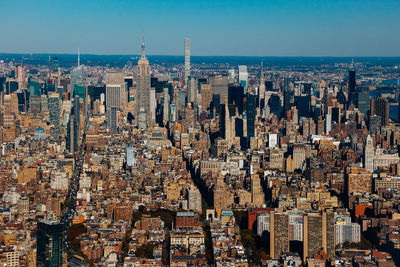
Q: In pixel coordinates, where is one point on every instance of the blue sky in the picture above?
(216, 27)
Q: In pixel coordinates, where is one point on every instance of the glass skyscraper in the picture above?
(49, 246)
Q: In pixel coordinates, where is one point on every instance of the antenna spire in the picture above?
(143, 53)
(79, 58)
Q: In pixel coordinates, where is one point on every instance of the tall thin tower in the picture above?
(261, 90)
(187, 60)
(143, 87)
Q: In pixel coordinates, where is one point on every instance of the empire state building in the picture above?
(143, 79)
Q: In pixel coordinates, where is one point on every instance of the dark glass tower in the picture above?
(274, 104)
(286, 98)
(49, 246)
(251, 115)
(352, 88)
(303, 104)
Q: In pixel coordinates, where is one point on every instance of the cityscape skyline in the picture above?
(254, 28)
(188, 159)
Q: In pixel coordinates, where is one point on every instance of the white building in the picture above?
(243, 76)
(345, 230)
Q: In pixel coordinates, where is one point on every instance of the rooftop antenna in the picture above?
(143, 53)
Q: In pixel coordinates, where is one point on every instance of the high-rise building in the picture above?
(243, 77)
(328, 123)
(44, 106)
(380, 107)
(112, 118)
(257, 194)
(357, 180)
(194, 199)
(192, 89)
(261, 89)
(20, 76)
(172, 112)
(374, 124)
(129, 156)
(274, 104)
(363, 102)
(299, 156)
(116, 94)
(231, 76)
(286, 98)
(279, 234)
(187, 61)
(303, 104)
(226, 124)
(318, 233)
(49, 246)
(143, 87)
(236, 97)
(77, 78)
(54, 109)
(69, 142)
(352, 93)
(295, 226)
(369, 153)
(206, 95)
(219, 86)
(251, 115)
(223, 198)
(345, 230)
(166, 103)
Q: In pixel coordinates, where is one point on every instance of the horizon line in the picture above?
(182, 55)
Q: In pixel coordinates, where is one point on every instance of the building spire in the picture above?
(79, 58)
(262, 71)
(261, 89)
(143, 53)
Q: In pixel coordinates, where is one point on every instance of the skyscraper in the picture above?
(286, 98)
(129, 156)
(143, 86)
(20, 76)
(257, 194)
(112, 118)
(226, 124)
(206, 95)
(275, 106)
(219, 86)
(352, 88)
(261, 89)
(49, 246)
(363, 102)
(223, 198)
(279, 236)
(251, 115)
(318, 233)
(77, 78)
(243, 77)
(116, 94)
(380, 107)
(192, 89)
(187, 60)
(369, 153)
(69, 142)
(54, 109)
(166, 102)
